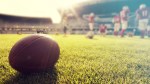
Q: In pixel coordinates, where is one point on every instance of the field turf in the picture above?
(102, 60)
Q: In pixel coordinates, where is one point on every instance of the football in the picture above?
(34, 53)
(90, 35)
(130, 34)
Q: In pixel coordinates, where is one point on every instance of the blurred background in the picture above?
(45, 16)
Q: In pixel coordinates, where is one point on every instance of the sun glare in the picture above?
(68, 3)
(37, 8)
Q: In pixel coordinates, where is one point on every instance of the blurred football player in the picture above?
(65, 22)
(65, 30)
(116, 21)
(102, 29)
(124, 15)
(90, 34)
(142, 15)
(65, 17)
(91, 21)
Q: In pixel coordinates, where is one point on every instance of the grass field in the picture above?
(102, 60)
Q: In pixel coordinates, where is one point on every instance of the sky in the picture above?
(36, 8)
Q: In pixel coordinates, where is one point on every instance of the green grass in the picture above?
(102, 60)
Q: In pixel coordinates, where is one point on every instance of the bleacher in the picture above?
(18, 24)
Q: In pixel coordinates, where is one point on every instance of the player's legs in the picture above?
(103, 32)
(122, 32)
(91, 26)
(124, 27)
(148, 30)
(116, 28)
(143, 27)
(142, 33)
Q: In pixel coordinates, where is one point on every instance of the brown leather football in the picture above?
(34, 53)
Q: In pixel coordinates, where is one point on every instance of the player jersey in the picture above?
(142, 13)
(102, 27)
(124, 15)
(117, 19)
(91, 19)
